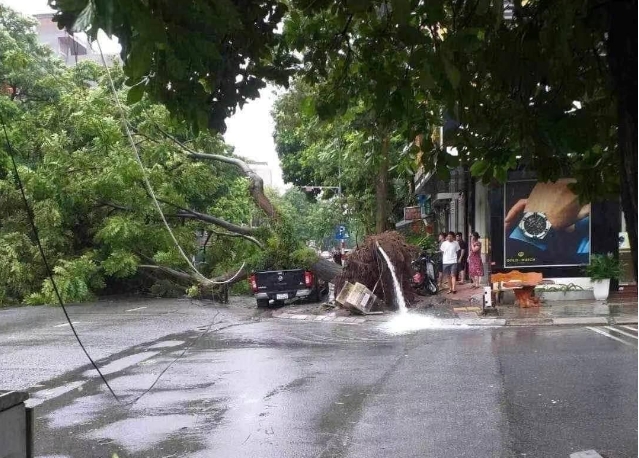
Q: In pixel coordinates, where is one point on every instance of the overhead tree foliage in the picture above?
(200, 59)
(362, 73)
(529, 69)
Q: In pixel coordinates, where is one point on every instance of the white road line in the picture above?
(622, 332)
(65, 324)
(604, 333)
(133, 310)
(41, 396)
(629, 327)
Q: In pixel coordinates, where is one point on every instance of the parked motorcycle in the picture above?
(425, 277)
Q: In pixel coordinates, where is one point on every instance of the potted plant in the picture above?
(602, 268)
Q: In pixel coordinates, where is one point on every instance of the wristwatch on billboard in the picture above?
(535, 225)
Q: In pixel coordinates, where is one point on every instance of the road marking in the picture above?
(121, 363)
(604, 333)
(586, 454)
(133, 310)
(41, 396)
(621, 332)
(629, 327)
(65, 324)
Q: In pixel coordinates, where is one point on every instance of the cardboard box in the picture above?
(357, 297)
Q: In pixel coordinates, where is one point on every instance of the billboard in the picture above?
(545, 225)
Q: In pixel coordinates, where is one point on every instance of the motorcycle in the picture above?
(424, 279)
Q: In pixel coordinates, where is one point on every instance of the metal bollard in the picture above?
(488, 297)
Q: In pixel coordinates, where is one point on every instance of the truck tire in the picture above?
(261, 303)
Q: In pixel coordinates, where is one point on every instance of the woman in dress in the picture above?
(475, 265)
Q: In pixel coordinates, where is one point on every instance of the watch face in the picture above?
(535, 225)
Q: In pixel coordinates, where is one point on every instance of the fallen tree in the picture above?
(367, 266)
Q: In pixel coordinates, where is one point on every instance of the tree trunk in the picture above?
(326, 270)
(381, 189)
(256, 189)
(622, 60)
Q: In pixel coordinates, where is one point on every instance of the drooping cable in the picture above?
(34, 229)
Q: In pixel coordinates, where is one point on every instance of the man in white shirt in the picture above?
(449, 248)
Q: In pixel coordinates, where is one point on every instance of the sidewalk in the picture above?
(466, 304)
(464, 308)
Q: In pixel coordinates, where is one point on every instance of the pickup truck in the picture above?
(282, 285)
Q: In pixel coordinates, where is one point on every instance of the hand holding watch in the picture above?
(550, 207)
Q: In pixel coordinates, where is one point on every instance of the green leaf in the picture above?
(135, 94)
(501, 174)
(85, 19)
(478, 168)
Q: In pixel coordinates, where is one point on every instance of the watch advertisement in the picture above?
(545, 225)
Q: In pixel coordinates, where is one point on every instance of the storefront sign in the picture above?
(412, 213)
(545, 225)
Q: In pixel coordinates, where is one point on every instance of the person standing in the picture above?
(449, 260)
(475, 264)
(440, 268)
(462, 257)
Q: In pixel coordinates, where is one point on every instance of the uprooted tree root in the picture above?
(367, 266)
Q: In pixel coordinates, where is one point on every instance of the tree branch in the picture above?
(192, 214)
(241, 231)
(115, 206)
(247, 237)
(175, 273)
(256, 187)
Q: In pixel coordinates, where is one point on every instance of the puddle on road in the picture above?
(139, 434)
(408, 322)
(196, 400)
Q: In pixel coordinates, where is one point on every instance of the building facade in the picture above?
(464, 204)
(70, 48)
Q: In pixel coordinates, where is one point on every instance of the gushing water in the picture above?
(401, 302)
(407, 322)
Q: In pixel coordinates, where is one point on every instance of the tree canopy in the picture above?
(340, 152)
(550, 86)
(200, 59)
(95, 217)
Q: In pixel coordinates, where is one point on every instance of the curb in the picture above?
(467, 321)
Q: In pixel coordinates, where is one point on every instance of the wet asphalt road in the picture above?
(251, 386)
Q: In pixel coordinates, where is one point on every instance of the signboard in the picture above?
(341, 233)
(412, 213)
(544, 225)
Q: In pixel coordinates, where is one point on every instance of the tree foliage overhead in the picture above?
(200, 59)
(510, 82)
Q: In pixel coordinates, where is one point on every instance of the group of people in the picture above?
(459, 257)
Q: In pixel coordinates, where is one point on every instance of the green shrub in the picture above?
(603, 267)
